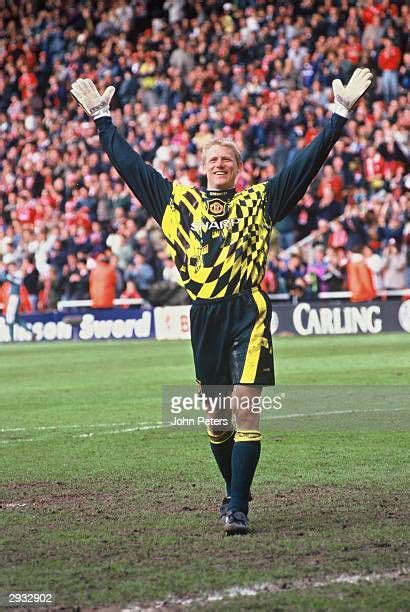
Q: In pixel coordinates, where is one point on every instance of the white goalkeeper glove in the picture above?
(87, 95)
(346, 97)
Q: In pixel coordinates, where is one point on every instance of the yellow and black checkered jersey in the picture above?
(219, 239)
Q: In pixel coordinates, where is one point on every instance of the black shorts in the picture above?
(231, 340)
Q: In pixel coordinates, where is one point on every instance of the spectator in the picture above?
(404, 72)
(317, 271)
(181, 58)
(389, 63)
(119, 273)
(170, 273)
(141, 273)
(14, 298)
(374, 30)
(130, 292)
(77, 284)
(392, 230)
(328, 207)
(31, 280)
(360, 278)
(176, 10)
(333, 276)
(294, 275)
(339, 236)
(306, 215)
(323, 233)
(355, 228)
(375, 263)
(373, 168)
(53, 289)
(102, 283)
(394, 266)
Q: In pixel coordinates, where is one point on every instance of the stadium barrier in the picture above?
(343, 295)
(322, 295)
(90, 324)
(172, 322)
(64, 304)
(305, 319)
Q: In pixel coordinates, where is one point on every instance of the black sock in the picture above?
(245, 457)
(223, 456)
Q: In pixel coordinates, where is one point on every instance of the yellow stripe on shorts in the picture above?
(256, 341)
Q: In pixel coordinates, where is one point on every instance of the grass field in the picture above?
(104, 507)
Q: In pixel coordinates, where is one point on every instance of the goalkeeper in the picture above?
(219, 240)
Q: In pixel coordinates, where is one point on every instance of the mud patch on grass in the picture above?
(136, 536)
(48, 495)
(122, 498)
(298, 511)
(317, 506)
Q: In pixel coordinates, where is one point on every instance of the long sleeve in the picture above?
(151, 189)
(286, 188)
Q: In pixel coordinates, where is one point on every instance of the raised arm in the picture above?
(148, 185)
(286, 188)
(289, 186)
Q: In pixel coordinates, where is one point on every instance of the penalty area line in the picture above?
(89, 434)
(301, 584)
(119, 431)
(145, 425)
(150, 424)
(331, 413)
(63, 427)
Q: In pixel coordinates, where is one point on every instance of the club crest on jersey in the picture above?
(216, 207)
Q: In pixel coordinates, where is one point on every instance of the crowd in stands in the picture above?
(185, 71)
(363, 251)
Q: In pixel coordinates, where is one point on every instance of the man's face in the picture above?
(319, 255)
(221, 167)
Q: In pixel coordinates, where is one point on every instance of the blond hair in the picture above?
(223, 142)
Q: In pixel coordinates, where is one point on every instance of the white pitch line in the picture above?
(14, 505)
(332, 412)
(150, 424)
(117, 431)
(143, 426)
(266, 587)
(12, 441)
(89, 434)
(57, 427)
